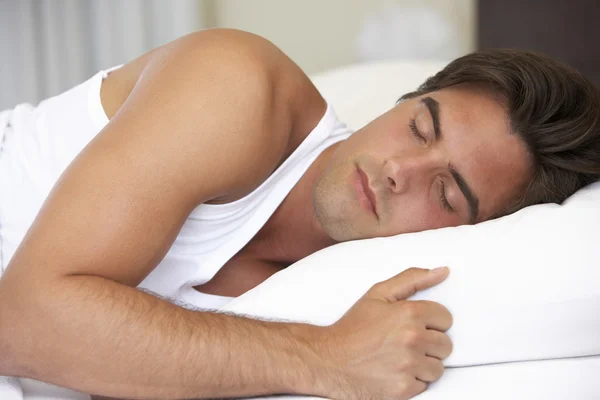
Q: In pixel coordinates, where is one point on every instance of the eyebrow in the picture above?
(473, 202)
(434, 109)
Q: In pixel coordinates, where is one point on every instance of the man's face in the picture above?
(443, 159)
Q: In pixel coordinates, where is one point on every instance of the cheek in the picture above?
(380, 137)
(419, 214)
(434, 218)
(443, 219)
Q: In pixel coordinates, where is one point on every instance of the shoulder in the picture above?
(263, 70)
(238, 91)
(249, 60)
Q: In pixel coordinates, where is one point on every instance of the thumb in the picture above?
(407, 283)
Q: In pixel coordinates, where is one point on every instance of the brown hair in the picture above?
(550, 105)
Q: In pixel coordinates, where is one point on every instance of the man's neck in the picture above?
(293, 231)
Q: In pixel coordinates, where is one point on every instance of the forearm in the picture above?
(101, 337)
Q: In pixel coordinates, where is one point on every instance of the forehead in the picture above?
(479, 142)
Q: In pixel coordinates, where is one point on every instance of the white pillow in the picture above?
(522, 287)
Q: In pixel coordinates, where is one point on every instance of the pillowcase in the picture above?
(522, 287)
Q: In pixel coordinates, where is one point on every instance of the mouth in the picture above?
(365, 195)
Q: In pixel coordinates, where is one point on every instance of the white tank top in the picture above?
(38, 143)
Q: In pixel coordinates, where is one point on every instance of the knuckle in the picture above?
(414, 271)
(408, 365)
(378, 288)
(402, 389)
(413, 338)
(412, 310)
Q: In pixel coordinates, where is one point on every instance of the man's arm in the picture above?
(207, 118)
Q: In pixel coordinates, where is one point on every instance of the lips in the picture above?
(365, 193)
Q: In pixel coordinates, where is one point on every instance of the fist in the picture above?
(388, 347)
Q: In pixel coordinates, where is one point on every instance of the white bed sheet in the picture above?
(563, 379)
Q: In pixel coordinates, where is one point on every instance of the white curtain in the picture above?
(48, 46)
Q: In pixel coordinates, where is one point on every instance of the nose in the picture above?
(403, 172)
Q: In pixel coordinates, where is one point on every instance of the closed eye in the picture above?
(443, 199)
(413, 127)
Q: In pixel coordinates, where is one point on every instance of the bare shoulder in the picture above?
(206, 117)
(246, 74)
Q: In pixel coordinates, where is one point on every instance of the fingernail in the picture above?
(438, 270)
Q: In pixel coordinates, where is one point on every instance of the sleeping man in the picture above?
(193, 173)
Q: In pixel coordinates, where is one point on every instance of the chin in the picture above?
(339, 225)
(336, 207)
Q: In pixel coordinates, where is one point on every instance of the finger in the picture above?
(417, 387)
(429, 369)
(407, 283)
(436, 344)
(433, 315)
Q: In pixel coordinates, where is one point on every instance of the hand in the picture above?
(387, 347)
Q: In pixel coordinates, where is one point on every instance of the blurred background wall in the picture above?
(566, 29)
(47, 46)
(323, 34)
